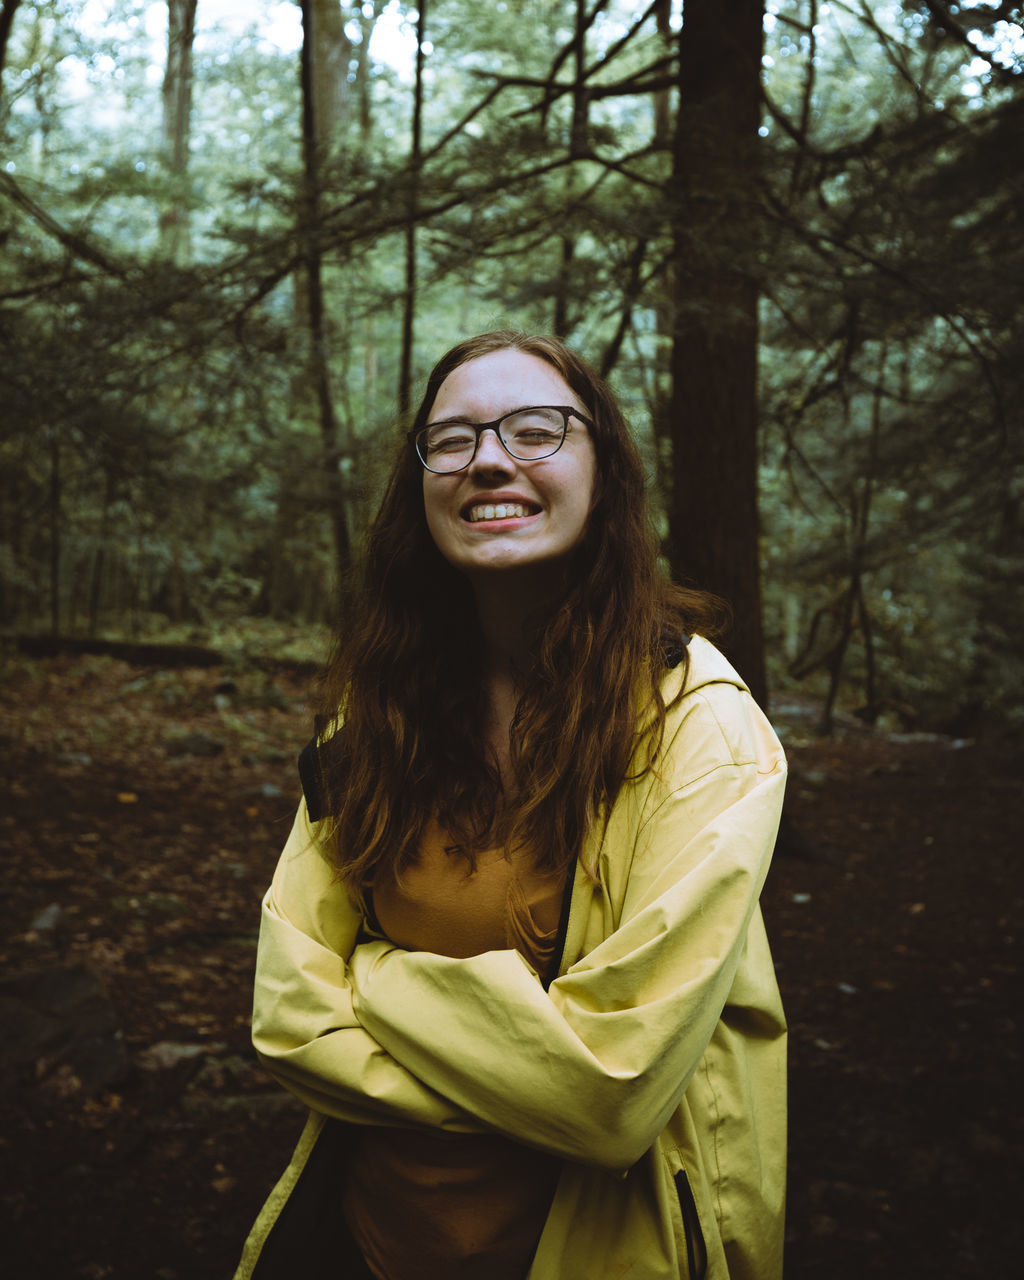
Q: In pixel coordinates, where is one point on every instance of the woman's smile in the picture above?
(500, 512)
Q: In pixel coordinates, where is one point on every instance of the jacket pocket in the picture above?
(696, 1249)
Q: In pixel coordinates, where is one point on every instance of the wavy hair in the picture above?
(407, 669)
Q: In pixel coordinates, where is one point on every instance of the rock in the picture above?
(192, 744)
(168, 1054)
(62, 1021)
(50, 919)
(272, 696)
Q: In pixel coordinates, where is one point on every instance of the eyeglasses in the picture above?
(525, 434)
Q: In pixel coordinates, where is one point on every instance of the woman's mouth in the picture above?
(497, 511)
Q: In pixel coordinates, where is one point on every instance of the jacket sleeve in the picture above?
(593, 1068)
(304, 1027)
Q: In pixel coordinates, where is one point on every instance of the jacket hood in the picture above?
(708, 666)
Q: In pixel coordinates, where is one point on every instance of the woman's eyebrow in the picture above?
(462, 417)
(437, 422)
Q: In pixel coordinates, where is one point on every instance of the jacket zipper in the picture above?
(558, 950)
(696, 1250)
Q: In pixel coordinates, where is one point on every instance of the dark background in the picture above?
(143, 823)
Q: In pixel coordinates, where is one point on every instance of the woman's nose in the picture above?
(491, 454)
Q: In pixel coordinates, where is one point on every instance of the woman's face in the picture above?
(541, 506)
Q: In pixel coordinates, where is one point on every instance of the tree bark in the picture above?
(662, 97)
(367, 16)
(579, 131)
(329, 429)
(415, 163)
(99, 562)
(55, 532)
(175, 230)
(854, 607)
(332, 52)
(8, 8)
(713, 409)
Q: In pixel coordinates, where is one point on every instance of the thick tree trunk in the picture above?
(175, 231)
(713, 409)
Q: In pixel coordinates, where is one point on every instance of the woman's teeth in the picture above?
(500, 511)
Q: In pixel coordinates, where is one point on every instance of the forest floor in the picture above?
(143, 814)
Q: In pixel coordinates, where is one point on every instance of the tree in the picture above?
(606, 179)
(712, 412)
(415, 163)
(317, 49)
(8, 8)
(177, 121)
(892, 355)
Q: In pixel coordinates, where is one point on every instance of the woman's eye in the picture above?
(450, 441)
(536, 433)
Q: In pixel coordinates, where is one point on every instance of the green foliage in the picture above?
(886, 309)
(160, 444)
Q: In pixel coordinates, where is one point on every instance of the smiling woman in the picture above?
(512, 956)
(499, 512)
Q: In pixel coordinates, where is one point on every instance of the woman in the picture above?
(512, 957)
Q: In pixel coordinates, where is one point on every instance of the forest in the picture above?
(235, 235)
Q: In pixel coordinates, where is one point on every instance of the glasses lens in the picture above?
(448, 446)
(533, 433)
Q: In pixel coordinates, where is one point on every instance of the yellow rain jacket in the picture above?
(653, 1064)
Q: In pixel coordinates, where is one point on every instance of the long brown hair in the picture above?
(406, 681)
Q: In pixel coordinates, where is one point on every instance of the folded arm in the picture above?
(590, 1069)
(304, 1026)
(593, 1068)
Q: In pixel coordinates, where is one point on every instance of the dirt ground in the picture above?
(142, 816)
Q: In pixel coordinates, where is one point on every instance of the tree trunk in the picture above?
(630, 294)
(415, 160)
(7, 12)
(367, 16)
(854, 604)
(55, 533)
(560, 322)
(579, 133)
(324, 23)
(662, 97)
(713, 410)
(330, 434)
(99, 563)
(175, 230)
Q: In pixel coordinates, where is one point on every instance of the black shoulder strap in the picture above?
(675, 648)
(320, 760)
(312, 780)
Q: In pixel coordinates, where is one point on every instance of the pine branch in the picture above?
(944, 20)
(76, 245)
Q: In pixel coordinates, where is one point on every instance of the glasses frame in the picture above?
(567, 411)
